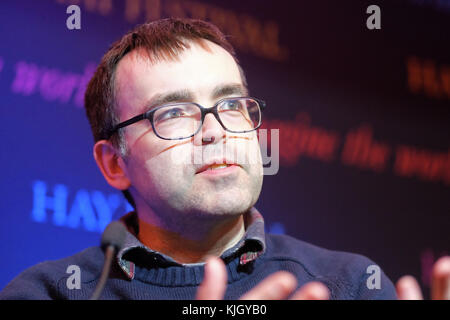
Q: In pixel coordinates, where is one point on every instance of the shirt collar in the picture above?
(249, 247)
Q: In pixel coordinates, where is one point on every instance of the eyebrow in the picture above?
(185, 95)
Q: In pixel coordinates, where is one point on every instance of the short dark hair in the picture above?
(162, 40)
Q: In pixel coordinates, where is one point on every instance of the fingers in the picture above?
(440, 285)
(214, 282)
(408, 289)
(277, 286)
(312, 291)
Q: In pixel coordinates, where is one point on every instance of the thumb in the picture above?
(214, 282)
(408, 289)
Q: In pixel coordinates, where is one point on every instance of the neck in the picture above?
(197, 239)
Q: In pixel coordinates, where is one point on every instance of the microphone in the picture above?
(112, 241)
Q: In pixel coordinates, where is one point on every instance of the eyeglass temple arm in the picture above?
(127, 123)
(262, 103)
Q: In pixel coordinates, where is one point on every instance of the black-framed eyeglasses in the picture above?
(176, 121)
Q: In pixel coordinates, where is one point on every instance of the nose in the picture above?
(211, 131)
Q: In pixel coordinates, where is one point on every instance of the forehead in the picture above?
(196, 69)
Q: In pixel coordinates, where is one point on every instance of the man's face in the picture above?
(164, 173)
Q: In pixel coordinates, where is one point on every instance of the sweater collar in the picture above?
(134, 253)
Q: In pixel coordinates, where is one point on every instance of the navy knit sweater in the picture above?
(345, 274)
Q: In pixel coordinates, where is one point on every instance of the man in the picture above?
(175, 129)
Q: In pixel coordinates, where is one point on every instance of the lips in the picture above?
(216, 164)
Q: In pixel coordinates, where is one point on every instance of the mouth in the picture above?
(218, 168)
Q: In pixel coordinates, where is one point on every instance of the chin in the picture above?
(227, 205)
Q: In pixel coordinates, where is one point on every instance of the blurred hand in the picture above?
(408, 288)
(277, 286)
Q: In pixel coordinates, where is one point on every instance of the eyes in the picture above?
(231, 105)
(172, 113)
(191, 110)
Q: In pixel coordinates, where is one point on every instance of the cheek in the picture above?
(255, 164)
(250, 152)
(161, 171)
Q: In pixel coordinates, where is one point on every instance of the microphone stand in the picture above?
(109, 255)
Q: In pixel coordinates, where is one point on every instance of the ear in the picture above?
(111, 165)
